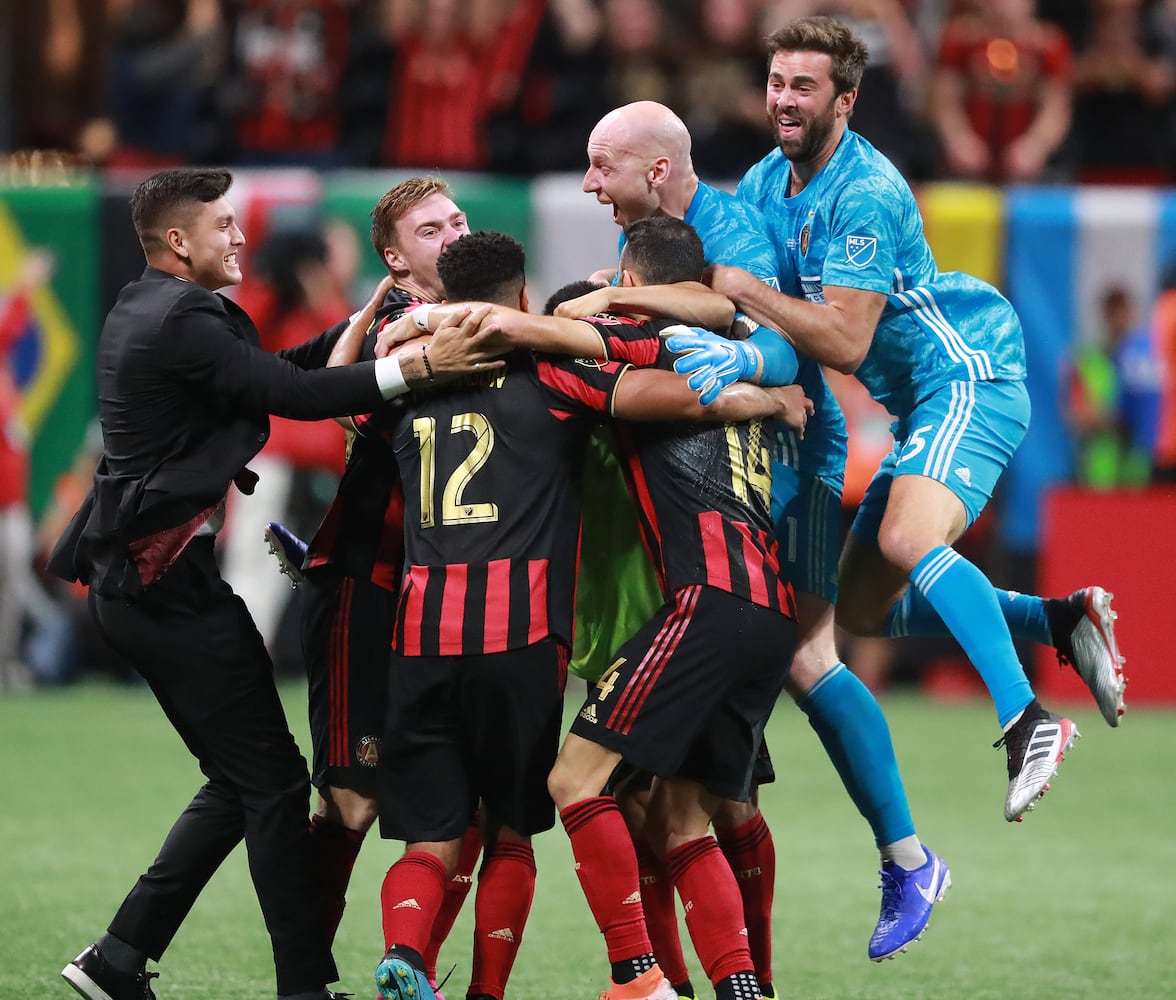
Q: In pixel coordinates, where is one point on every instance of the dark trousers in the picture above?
(195, 644)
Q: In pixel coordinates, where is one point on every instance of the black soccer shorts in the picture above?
(460, 729)
(688, 696)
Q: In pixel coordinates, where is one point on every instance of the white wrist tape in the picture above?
(420, 316)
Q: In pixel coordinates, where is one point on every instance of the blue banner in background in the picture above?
(1066, 248)
(1039, 270)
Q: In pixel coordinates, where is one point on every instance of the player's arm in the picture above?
(511, 329)
(652, 394)
(837, 333)
(689, 301)
(501, 330)
(347, 348)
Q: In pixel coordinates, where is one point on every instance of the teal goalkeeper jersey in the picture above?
(734, 232)
(857, 225)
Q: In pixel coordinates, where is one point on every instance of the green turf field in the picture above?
(1077, 901)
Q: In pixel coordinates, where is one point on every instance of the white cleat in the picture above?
(1084, 634)
(1035, 748)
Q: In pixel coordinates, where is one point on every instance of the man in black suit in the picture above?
(184, 395)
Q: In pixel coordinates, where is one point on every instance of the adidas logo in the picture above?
(503, 934)
(410, 904)
(588, 713)
(631, 898)
(964, 474)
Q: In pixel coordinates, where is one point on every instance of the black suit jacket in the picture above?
(184, 394)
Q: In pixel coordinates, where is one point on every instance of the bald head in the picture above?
(645, 128)
(639, 162)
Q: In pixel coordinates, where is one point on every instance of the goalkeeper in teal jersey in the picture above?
(640, 164)
(944, 352)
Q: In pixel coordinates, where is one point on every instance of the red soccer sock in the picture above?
(410, 898)
(607, 869)
(456, 890)
(333, 850)
(752, 856)
(506, 886)
(714, 914)
(661, 918)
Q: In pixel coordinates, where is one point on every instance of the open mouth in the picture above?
(788, 127)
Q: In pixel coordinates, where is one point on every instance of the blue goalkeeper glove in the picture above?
(711, 362)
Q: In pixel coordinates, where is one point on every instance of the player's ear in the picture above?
(524, 300)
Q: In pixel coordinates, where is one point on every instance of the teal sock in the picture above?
(1023, 613)
(968, 606)
(854, 732)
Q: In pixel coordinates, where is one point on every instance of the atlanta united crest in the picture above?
(367, 751)
(804, 239)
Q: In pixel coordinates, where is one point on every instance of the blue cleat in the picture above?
(290, 551)
(907, 898)
(398, 979)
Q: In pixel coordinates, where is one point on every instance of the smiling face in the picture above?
(207, 240)
(421, 234)
(806, 115)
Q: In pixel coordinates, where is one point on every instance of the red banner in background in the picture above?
(1125, 542)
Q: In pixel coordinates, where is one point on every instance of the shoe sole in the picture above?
(396, 979)
(891, 955)
(83, 983)
(1067, 745)
(285, 566)
(1108, 691)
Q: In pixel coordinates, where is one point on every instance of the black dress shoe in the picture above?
(96, 979)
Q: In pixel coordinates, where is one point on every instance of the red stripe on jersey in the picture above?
(412, 597)
(640, 487)
(497, 605)
(453, 597)
(642, 351)
(714, 549)
(754, 559)
(575, 388)
(337, 673)
(661, 650)
(537, 578)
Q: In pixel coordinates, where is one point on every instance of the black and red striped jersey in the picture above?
(492, 508)
(703, 490)
(362, 533)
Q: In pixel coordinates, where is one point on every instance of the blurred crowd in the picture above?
(995, 90)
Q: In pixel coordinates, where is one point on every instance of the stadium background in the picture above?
(1053, 250)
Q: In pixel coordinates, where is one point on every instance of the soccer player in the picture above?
(639, 162)
(484, 620)
(944, 353)
(352, 573)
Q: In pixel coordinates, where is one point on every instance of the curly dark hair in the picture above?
(572, 290)
(485, 266)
